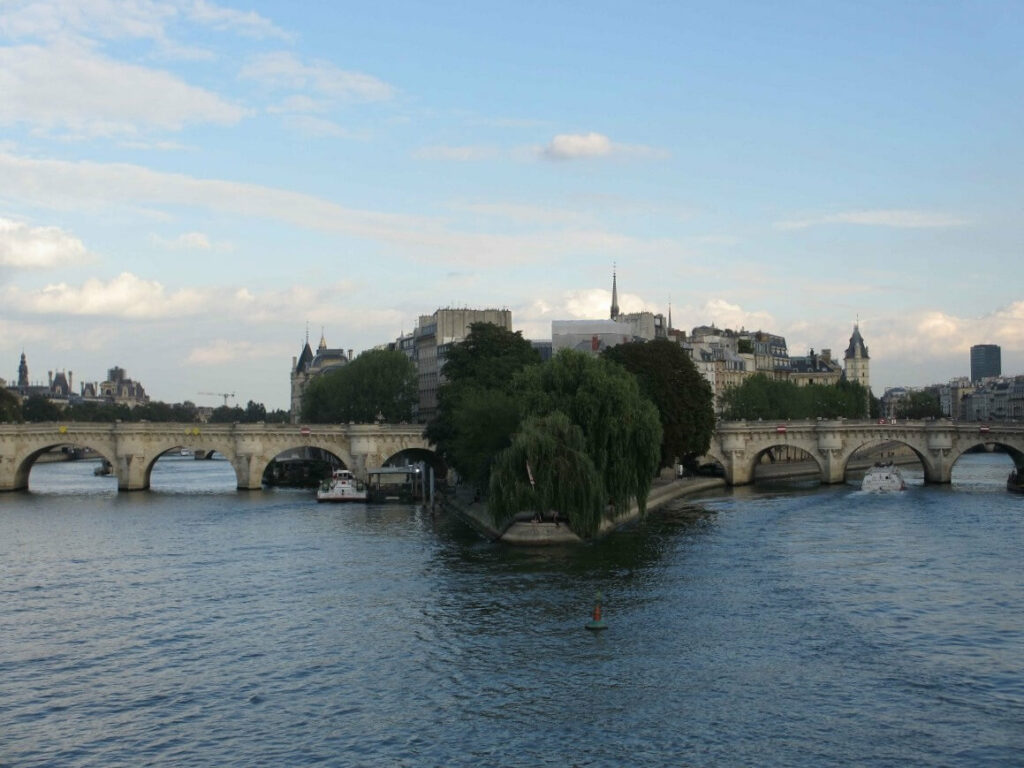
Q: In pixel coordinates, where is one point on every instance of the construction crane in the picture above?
(225, 395)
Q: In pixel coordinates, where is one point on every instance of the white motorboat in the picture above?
(341, 486)
(883, 477)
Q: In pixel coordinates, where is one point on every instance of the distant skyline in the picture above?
(184, 185)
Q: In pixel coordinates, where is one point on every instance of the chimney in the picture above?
(49, 378)
(350, 355)
(70, 385)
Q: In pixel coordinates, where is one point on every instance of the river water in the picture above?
(195, 625)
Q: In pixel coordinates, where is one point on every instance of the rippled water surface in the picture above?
(195, 625)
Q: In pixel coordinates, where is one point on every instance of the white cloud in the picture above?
(724, 314)
(190, 241)
(136, 19)
(26, 247)
(126, 296)
(898, 218)
(88, 185)
(284, 70)
(569, 146)
(248, 23)
(220, 351)
(73, 89)
(105, 19)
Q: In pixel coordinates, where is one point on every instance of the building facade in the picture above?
(428, 345)
(986, 362)
(308, 365)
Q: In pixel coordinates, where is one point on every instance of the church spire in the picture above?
(615, 296)
(23, 374)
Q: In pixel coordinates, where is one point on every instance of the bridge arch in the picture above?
(23, 464)
(873, 443)
(133, 448)
(937, 443)
(415, 455)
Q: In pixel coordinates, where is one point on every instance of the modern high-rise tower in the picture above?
(986, 361)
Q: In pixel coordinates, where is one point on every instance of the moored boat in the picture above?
(341, 486)
(1015, 482)
(883, 477)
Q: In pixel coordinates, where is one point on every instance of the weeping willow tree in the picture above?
(547, 469)
(621, 428)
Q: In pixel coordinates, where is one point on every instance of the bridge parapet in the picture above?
(133, 447)
(938, 443)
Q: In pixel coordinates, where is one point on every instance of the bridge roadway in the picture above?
(132, 448)
(739, 445)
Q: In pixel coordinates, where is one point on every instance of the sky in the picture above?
(186, 186)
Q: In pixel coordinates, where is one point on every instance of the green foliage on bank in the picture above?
(683, 397)
(919, 405)
(379, 384)
(39, 408)
(10, 406)
(621, 427)
(759, 397)
(547, 469)
(478, 411)
(590, 430)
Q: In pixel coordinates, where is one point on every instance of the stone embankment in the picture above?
(524, 531)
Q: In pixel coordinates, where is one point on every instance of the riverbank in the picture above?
(524, 531)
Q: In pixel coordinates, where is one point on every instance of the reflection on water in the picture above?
(198, 625)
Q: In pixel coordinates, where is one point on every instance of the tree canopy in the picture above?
(919, 405)
(477, 412)
(621, 427)
(759, 397)
(683, 397)
(546, 468)
(10, 406)
(378, 383)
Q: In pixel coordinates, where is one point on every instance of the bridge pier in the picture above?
(249, 470)
(130, 469)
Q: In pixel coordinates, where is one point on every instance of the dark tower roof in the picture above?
(856, 348)
(615, 297)
(305, 358)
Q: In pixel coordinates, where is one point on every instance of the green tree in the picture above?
(920, 405)
(683, 397)
(483, 423)
(621, 427)
(278, 416)
(476, 412)
(39, 408)
(255, 412)
(10, 406)
(226, 414)
(108, 412)
(759, 397)
(378, 383)
(546, 468)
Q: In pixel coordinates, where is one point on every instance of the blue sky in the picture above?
(185, 185)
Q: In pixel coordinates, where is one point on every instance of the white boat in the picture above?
(883, 477)
(341, 486)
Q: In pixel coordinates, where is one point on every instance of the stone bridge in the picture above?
(133, 448)
(739, 445)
